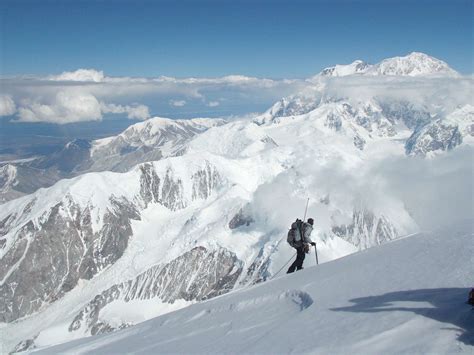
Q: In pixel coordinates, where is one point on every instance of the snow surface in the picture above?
(407, 296)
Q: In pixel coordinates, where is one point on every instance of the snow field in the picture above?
(405, 296)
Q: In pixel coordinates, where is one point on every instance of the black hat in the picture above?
(310, 221)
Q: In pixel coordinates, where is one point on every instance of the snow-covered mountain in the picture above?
(104, 237)
(159, 137)
(154, 139)
(192, 209)
(444, 133)
(151, 140)
(423, 131)
(407, 296)
(413, 64)
(356, 67)
(19, 179)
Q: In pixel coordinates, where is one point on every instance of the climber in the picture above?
(299, 238)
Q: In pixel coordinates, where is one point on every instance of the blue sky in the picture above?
(276, 39)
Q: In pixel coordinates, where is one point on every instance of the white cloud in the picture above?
(436, 191)
(413, 192)
(80, 75)
(139, 112)
(177, 103)
(213, 103)
(66, 107)
(136, 111)
(51, 98)
(431, 92)
(72, 105)
(7, 105)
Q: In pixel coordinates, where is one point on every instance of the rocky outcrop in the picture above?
(405, 112)
(205, 181)
(50, 255)
(197, 275)
(240, 219)
(258, 270)
(44, 254)
(167, 191)
(436, 136)
(366, 230)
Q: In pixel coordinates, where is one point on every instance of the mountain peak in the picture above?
(356, 67)
(413, 64)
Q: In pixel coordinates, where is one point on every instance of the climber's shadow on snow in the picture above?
(447, 305)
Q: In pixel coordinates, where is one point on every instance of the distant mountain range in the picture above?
(151, 140)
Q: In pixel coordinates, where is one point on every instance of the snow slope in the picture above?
(407, 296)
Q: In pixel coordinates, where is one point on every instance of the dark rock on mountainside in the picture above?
(50, 256)
(436, 136)
(191, 276)
(240, 219)
(366, 230)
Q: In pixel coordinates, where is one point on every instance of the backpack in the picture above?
(294, 234)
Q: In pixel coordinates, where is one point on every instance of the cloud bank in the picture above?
(88, 94)
(430, 192)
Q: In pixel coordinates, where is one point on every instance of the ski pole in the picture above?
(306, 210)
(316, 254)
(283, 266)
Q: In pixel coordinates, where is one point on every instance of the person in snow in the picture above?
(302, 245)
